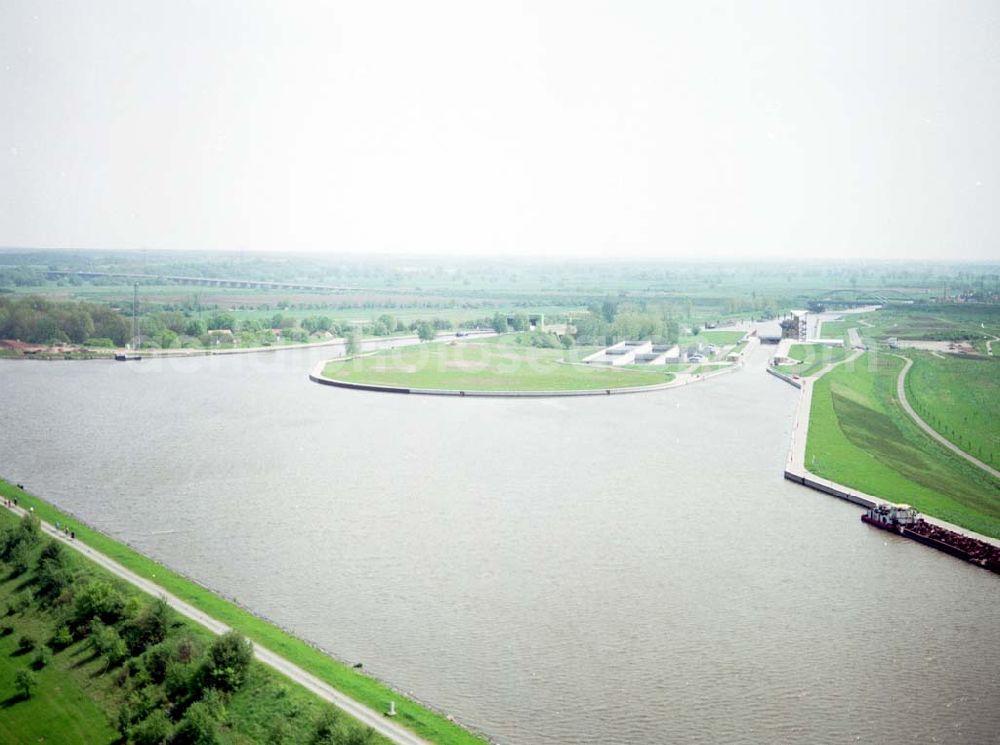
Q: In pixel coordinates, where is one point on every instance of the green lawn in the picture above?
(423, 721)
(834, 329)
(495, 364)
(859, 436)
(60, 706)
(716, 337)
(960, 398)
(812, 357)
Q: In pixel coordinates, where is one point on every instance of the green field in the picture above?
(834, 329)
(62, 704)
(960, 398)
(934, 322)
(494, 364)
(428, 724)
(859, 436)
(716, 337)
(813, 357)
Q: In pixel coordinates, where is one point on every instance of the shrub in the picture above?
(228, 661)
(62, 638)
(198, 727)
(153, 730)
(99, 599)
(25, 683)
(25, 643)
(43, 656)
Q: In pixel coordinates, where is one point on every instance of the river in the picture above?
(624, 569)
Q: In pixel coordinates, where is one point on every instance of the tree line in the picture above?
(167, 683)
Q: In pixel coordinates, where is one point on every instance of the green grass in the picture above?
(423, 721)
(718, 338)
(860, 436)
(79, 695)
(62, 703)
(834, 329)
(960, 398)
(495, 364)
(940, 322)
(813, 358)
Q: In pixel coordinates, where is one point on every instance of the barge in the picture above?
(903, 520)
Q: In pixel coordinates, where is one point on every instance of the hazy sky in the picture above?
(660, 129)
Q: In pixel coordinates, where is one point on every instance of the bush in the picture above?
(153, 730)
(43, 656)
(198, 727)
(25, 643)
(6, 630)
(228, 661)
(62, 638)
(25, 683)
(106, 642)
(101, 599)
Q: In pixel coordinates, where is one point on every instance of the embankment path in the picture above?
(378, 722)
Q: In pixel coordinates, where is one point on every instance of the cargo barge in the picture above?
(906, 521)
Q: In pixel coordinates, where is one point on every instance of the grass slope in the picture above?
(960, 398)
(833, 329)
(859, 436)
(496, 364)
(423, 721)
(813, 357)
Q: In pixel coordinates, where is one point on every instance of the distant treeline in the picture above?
(34, 319)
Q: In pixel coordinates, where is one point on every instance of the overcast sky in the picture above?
(652, 129)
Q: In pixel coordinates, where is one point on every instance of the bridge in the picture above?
(250, 284)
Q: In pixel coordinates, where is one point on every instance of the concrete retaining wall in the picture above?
(317, 376)
(787, 378)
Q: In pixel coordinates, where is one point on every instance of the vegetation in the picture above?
(860, 436)
(113, 655)
(526, 362)
(960, 398)
(428, 724)
(813, 358)
(834, 329)
(37, 320)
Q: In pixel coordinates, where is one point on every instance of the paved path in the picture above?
(901, 394)
(385, 727)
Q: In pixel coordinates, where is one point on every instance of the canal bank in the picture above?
(797, 471)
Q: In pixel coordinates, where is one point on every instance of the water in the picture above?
(625, 569)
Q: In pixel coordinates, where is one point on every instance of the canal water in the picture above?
(627, 569)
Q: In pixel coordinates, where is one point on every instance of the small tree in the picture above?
(43, 656)
(228, 661)
(425, 332)
(25, 683)
(353, 343)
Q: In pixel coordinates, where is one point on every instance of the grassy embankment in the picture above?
(423, 721)
(494, 364)
(860, 436)
(719, 338)
(812, 358)
(960, 398)
(959, 321)
(105, 657)
(834, 329)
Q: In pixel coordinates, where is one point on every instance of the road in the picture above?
(901, 394)
(377, 721)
